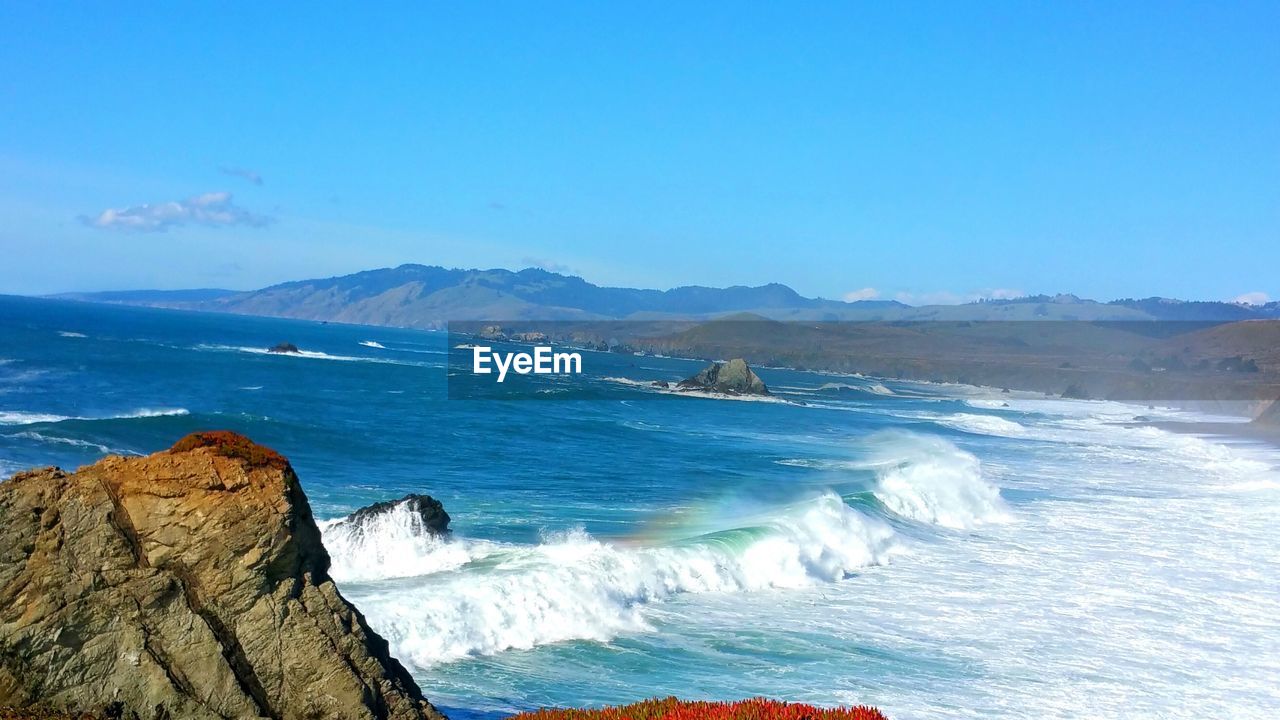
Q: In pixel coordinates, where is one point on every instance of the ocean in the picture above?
(938, 551)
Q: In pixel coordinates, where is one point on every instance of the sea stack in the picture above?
(284, 348)
(427, 512)
(190, 583)
(731, 378)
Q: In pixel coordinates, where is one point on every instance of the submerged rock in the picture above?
(733, 378)
(191, 583)
(660, 384)
(428, 509)
(284, 348)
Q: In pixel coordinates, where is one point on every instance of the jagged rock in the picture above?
(733, 378)
(428, 509)
(284, 348)
(1075, 391)
(660, 384)
(191, 583)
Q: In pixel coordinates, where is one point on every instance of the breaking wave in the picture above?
(930, 480)
(393, 544)
(373, 344)
(706, 395)
(575, 587)
(57, 440)
(22, 417)
(442, 598)
(873, 388)
(308, 354)
(983, 425)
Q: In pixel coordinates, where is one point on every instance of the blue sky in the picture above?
(928, 151)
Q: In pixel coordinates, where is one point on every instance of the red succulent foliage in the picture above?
(232, 444)
(673, 709)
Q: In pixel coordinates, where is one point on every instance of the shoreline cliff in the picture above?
(191, 583)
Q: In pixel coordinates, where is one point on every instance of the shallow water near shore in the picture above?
(937, 551)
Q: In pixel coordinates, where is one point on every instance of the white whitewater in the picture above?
(575, 587)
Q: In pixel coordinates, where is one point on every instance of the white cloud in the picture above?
(251, 175)
(1001, 294)
(548, 265)
(946, 297)
(937, 297)
(1253, 298)
(866, 293)
(213, 209)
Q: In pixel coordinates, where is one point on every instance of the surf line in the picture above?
(544, 360)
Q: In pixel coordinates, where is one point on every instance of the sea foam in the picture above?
(930, 480)
(576, 587)
(393, 544)
(983, 425)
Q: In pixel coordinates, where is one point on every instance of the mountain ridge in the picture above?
(429, 296)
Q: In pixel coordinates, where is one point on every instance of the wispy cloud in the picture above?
(251, 175)
(214, 209)
(866, 293)
(1253, 298)
(548, 265)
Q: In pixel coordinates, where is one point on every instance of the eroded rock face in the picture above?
(187, 584)
(734, 378)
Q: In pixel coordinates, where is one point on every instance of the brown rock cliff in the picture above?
(191, 583)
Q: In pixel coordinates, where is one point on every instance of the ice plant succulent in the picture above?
(673, 709)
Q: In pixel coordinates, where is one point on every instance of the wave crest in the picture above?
(576, 587)
(23, 417)
(983, 425)
(930, 480)
(393, 544)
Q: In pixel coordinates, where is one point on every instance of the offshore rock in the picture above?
(187, 584)
(732, 378)
(428, 511)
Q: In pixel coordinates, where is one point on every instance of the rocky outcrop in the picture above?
(732, 378)
(191, 583)
(284, 348)
(428, 512)
(1075, 391)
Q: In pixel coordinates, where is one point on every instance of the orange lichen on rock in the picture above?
(673, 709)
(234, 445)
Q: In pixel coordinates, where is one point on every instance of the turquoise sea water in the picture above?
(938, 551)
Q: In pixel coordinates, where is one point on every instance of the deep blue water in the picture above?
(937, 551)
